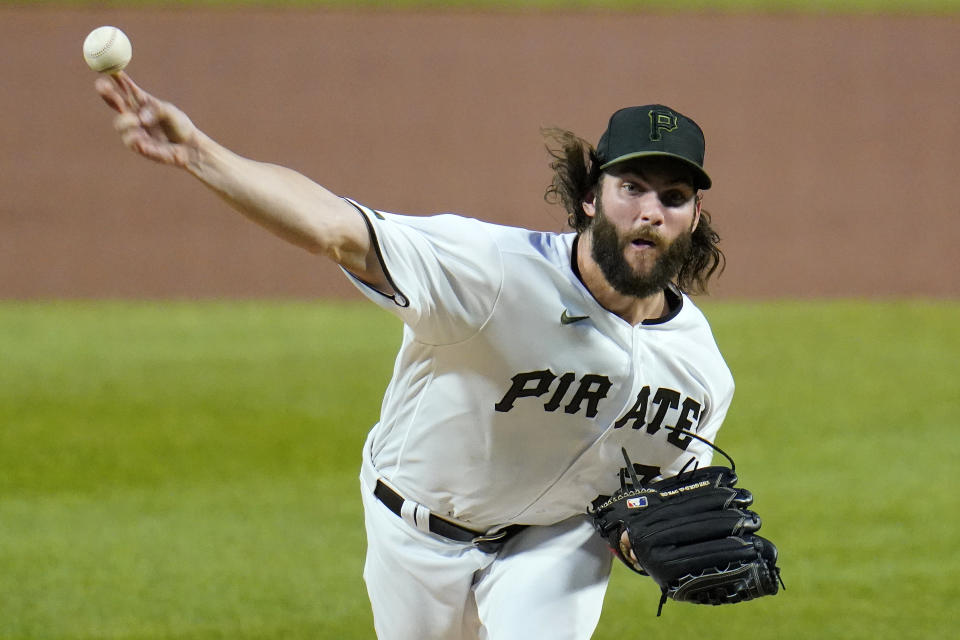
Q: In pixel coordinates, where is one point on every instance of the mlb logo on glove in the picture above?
(636, 503)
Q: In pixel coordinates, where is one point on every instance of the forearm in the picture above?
(286, 202)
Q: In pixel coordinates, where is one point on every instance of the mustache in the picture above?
(645, 234)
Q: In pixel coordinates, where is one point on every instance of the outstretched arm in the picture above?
(280, 199)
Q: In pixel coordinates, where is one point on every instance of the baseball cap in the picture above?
(654, 130)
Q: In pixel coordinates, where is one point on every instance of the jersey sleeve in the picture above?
(445, 270)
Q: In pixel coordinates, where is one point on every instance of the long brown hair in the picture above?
(576, 171)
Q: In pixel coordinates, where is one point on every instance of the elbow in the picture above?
(315, 247)
(318, 241)
(320, 246)
(334, 253)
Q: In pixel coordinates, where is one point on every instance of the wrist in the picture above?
(202, 155)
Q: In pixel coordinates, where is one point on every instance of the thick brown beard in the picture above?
(607, 252)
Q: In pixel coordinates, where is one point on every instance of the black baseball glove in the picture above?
(692, 534)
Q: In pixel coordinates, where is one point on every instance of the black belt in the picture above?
(486, 543)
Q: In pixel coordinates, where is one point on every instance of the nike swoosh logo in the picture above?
(566, 318)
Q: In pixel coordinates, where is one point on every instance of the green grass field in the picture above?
(188, 470)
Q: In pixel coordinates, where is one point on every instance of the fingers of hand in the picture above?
(131, 133)
(146, 140)
(139, 141)
(146, 125)
(163, 121)
(126, 122)
(146, 120)
(109, 93)
(131, 88)
(626, 549)
(121, 93)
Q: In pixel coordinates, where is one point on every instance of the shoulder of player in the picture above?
(510, 238)
(691, 327)
(697, 330)
(550, 245)
(450, 224)
(513, 241)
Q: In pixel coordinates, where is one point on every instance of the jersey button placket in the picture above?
(637, 352)
(630, 382)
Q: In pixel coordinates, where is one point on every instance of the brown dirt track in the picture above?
(833, 142)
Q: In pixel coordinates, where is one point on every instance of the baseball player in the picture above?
(530, 363)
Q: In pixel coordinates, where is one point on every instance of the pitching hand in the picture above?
(151, 127)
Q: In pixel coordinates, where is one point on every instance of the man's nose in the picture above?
(651, 209)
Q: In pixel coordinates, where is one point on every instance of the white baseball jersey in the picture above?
(514, 390)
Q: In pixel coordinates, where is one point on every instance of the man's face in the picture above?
(644, 213)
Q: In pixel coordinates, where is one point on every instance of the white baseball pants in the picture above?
(546, 582)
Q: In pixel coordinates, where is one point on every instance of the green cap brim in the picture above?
(700, 177)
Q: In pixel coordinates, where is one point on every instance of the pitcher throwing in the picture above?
(531, 364)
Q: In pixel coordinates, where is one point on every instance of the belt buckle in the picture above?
(490, 543)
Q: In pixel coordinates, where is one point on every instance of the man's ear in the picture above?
(590, 202)
(696, 213)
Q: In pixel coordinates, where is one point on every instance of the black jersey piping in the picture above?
(398, 297)
(671, 291)
(674, 302)
(573, 258)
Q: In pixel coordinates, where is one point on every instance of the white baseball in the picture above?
(107, 50)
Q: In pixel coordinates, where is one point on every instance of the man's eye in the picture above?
(674, 198)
